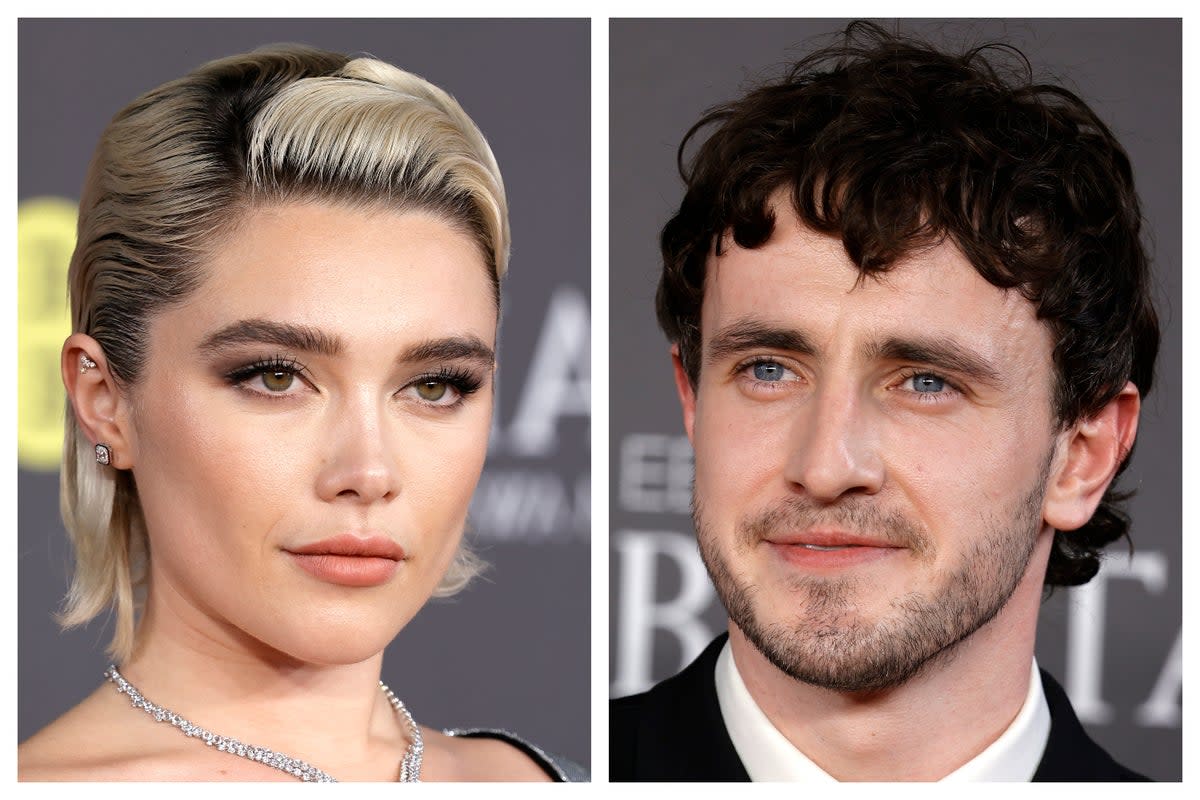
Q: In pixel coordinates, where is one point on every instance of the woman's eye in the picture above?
(445, 388)
(268, 378)
(433, 391)
(277, 380)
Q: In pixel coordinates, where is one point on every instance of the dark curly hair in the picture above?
(894, 145)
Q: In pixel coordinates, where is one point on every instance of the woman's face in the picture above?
(326, 392)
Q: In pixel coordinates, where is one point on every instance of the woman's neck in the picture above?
(214, 675)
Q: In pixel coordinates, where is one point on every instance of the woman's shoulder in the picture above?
(491, 754)
(79, 746)
(73, 747)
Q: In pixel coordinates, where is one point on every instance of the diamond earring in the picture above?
(103, 454)
(85, 363)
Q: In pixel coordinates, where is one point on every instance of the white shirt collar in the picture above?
(768, 756)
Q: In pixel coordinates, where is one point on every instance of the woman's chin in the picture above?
(337, 630)
(332, 647)
(327, 639)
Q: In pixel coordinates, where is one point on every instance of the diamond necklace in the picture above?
(410, 764)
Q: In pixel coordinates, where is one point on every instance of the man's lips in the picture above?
(829, 550)
(830, 540)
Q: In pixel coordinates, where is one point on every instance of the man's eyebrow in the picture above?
(743, 335)
(941, 352)
(284, 334)
(450, 348)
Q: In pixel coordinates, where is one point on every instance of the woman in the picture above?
(284, 295)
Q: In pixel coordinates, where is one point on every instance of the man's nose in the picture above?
(834, 446)
(360, 464)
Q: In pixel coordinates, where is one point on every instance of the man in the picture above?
(911, 330)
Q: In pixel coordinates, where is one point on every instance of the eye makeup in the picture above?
(277, 374)
(275, 377)
(446, 387)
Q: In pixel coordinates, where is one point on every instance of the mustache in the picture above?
(858, 515)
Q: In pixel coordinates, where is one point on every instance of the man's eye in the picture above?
(768, 371)
(926, 383)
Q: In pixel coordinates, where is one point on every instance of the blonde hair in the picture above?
(175, 169)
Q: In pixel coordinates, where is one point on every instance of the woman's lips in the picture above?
(349, 560)
(348, 570)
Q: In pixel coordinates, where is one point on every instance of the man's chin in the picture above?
(840, 658)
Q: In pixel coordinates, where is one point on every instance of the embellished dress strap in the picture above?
(561, 770)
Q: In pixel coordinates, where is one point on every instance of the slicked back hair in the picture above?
(176, 169)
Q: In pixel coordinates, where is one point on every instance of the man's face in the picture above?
(871, 455)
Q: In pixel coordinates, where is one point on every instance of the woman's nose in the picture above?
(360, 465)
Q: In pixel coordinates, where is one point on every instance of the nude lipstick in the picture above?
(349, 560)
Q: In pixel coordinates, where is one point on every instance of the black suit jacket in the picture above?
(675, 732)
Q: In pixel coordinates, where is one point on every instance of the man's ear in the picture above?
(1092, 452)
(100, 408)
(687, 393)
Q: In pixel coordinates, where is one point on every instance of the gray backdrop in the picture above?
(511, 651)
(1115, 644)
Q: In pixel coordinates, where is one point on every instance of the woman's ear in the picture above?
(100, 408)
(1092, 452)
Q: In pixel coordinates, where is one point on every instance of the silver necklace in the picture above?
(410, 764)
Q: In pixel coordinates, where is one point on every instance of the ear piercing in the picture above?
(103, 451)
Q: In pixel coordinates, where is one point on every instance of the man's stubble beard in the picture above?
(826, 644)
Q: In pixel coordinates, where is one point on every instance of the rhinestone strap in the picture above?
(410, 764)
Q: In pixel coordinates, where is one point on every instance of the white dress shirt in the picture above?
(768, 756)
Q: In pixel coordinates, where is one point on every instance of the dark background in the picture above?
(512, 650)
(1116, 643)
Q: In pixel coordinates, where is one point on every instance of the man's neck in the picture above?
(923, 729)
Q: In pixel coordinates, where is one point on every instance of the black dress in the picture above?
(560, 770)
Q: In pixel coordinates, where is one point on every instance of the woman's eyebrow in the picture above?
(284, 334)
(307, 339)
(449, 348)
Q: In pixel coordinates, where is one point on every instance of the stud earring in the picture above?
(85, 363)
(103, 454)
